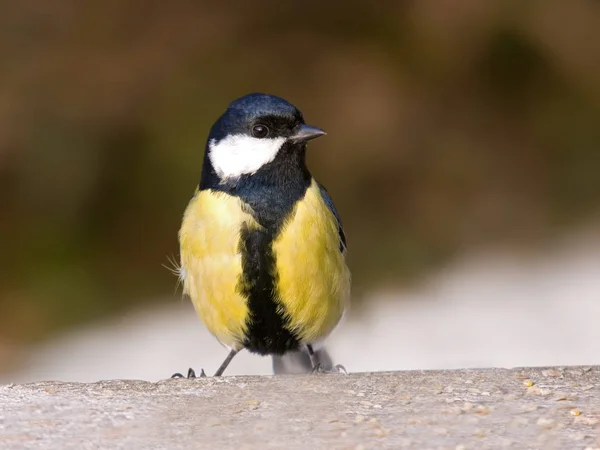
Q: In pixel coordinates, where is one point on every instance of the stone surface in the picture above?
(489, 408)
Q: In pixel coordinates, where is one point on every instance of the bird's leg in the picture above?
(191, 374)
(221, 369)
(314, 359)
(318, 367)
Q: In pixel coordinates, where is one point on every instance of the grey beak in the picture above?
(306, 133)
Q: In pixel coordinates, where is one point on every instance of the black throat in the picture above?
(271, 194)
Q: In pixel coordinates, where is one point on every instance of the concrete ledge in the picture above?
(489, 408)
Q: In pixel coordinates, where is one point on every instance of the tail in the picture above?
(298, 362)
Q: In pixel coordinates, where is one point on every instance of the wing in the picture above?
(329, 203)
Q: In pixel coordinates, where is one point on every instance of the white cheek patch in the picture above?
(241, 155)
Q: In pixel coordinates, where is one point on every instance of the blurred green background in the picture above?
(452, 125)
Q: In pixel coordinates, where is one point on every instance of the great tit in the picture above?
(262, 248)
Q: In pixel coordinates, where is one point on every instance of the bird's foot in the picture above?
(190, 375)
(338, 368)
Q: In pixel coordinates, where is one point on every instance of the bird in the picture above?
(262, 247)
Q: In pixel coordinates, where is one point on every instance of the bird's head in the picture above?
(256, 131)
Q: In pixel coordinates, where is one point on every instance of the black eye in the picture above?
(260, 131)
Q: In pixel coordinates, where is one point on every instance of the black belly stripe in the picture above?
(267, 328)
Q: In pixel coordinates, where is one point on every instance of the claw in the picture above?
(338, 368)
(190, 375)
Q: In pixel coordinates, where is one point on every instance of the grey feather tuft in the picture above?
(296, 363)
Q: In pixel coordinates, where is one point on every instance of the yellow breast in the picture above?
(212, 265)
(313, 279)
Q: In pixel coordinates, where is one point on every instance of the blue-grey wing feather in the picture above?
(331, 206)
